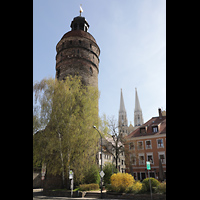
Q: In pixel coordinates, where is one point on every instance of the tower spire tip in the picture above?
(81, 10)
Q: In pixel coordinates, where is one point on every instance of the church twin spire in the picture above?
(122, 107)
(123, 121)
(138, 118)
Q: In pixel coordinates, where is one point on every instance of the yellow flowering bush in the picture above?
(137, 186)
(121, 182)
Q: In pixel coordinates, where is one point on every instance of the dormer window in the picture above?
(142, 130)
(155, 129)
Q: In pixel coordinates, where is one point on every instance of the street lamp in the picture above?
(101, 156)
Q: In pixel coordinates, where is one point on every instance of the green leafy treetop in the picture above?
(63, 121)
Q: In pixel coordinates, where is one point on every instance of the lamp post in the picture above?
(101, 156)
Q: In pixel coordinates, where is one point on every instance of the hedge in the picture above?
(88, 187)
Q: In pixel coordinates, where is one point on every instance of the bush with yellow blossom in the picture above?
(137, 187)
(121, 182)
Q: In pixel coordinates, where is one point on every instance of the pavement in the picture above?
(38, 194)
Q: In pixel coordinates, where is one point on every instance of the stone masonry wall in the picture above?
(78, 56)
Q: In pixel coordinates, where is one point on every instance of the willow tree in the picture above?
(66, 113)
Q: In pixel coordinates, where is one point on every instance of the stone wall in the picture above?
(78, 55)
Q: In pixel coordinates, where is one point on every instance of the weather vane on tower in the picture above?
(81, 10)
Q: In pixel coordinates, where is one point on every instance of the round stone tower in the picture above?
(78, 54)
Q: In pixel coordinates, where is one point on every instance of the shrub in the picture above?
(87, 187)
(121, 182)
(108, 169)
(146, 186)
(92, 176)
(137, 187)
(161, 188)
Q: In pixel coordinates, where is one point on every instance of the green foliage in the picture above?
(69, 109)
(146, 186)
(108, 169)
(88, 187)
(92, 176)
(104, 125)
(161, 188)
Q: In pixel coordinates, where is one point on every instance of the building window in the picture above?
(148, 144)
(161, 156)
(141, 159)
(160, 143)
(81, 26)
(131, 146)
(58, 73)
(150, 157)
(133, 159)
(142, 130)
(91, 71)
(155, 129)
(140, 145)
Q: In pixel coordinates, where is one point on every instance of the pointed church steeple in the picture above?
(138, 118)
(122, 107)
(122, 121)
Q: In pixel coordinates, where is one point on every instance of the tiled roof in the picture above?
(154, 121)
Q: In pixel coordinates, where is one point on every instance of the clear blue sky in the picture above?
(132, 37)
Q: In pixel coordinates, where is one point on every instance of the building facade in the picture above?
(108, 154)
(147, 143)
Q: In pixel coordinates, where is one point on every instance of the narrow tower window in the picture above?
(91, 71)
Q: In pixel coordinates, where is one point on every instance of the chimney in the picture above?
(160, 113)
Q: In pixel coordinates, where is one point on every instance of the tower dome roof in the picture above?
(79, 33)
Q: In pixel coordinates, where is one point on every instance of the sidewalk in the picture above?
(38, 190)
(38, 194)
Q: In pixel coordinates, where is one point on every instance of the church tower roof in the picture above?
(137, 103)
(138, 117)
(122, 107)
(122, 121)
